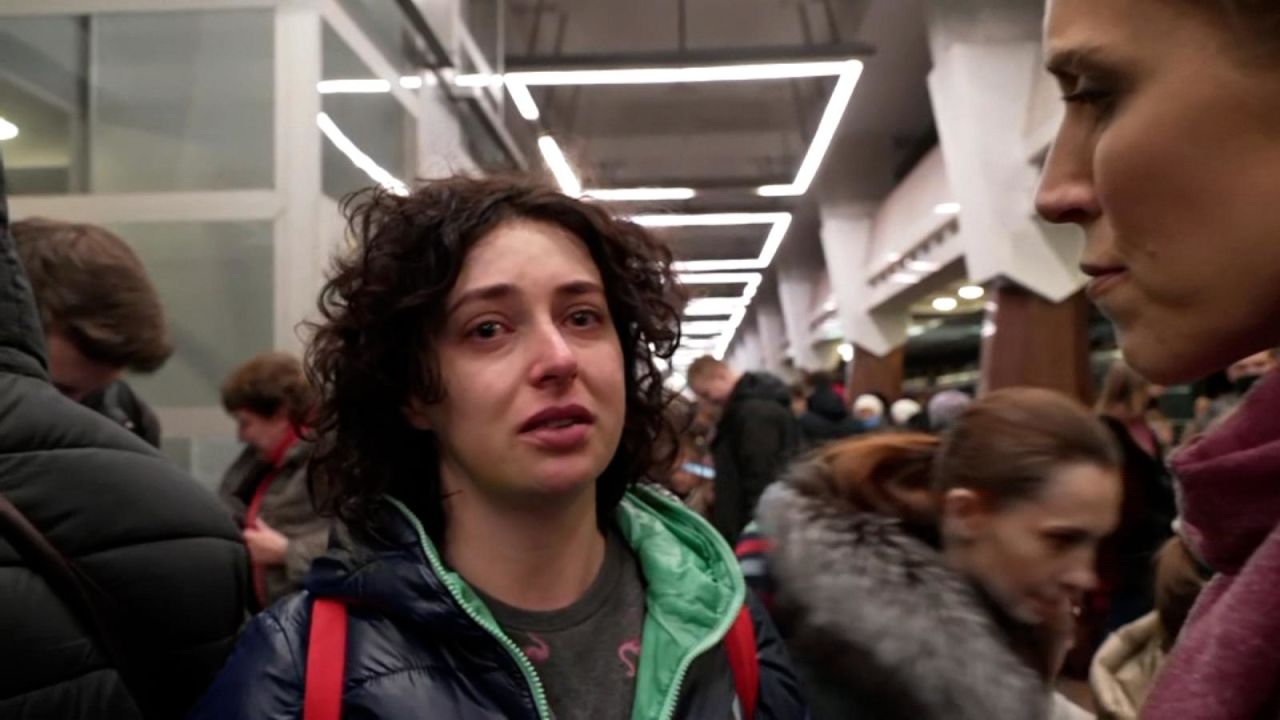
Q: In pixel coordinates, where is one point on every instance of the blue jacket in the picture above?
(422, 644)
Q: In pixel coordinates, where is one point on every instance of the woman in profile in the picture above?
(1168, 157)
(924, 578)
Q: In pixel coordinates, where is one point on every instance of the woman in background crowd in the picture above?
(868, 410)
(1168, 158)
(923, 578)
(1127, 664)
(1148, 510)
(266, 487)
(490, 402)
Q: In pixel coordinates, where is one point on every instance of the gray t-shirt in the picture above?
(587, 654)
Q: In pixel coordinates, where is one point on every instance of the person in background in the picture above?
(906, 413)
(755, 438)
(1127, 664)
(1148, 510)
(799, 398)
(922, 578)
(692, 476)
(266, 487)
(123, 583)
(868, 410)
(1243, 375)
(825, 417)
(1167, 157)
(491, 413)
(101, 316)
(945, 407)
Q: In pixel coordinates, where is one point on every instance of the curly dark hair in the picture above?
(383, 306)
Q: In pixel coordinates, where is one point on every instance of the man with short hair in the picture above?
(101, 316)
(755, 438)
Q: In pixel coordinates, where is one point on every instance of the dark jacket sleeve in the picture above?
(263, 680)
(780, 696)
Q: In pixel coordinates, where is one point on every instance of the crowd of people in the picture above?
(476, 497)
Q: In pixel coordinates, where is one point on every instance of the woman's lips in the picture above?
(1105, 282)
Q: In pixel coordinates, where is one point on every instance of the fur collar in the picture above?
(875, 613)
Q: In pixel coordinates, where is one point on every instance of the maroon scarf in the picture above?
(1226, 663)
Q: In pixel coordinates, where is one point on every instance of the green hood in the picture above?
(694, 591)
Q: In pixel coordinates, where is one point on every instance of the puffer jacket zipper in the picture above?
(530, 674)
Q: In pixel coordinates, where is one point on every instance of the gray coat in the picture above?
(879, 626)
(287, 508)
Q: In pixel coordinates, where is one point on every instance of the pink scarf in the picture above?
(1226, 663)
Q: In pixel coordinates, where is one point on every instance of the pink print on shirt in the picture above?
(629, 654)
(538, 651)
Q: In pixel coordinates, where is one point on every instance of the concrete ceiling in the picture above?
(731, 137)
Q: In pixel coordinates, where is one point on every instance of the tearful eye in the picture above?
(486, 330)
(584, 318)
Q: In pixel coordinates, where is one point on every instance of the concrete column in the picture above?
(870, 372)
(1028, 340)
(987, 93)
(772, 332)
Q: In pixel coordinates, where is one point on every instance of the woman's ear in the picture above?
(963, 514)
(417, 413)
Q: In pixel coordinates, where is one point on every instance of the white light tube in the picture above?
(641, 194)
(559, 165)
(358, 157)
(524, 103)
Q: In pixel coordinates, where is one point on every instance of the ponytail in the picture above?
(860, 473)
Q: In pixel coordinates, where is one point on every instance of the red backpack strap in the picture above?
(326, 661)
(740, 644)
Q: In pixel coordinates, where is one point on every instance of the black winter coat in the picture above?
(827, 418)
(755, 439)
(159, 547)
(420, 644)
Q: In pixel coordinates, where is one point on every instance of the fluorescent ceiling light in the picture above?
(348, 87)
(694, 328)
(8, 130)
(839, 102)
(827, 127)
(655, 76)
(726, 278)
(555, 160)
(920, 266)
(703, 307)
(777, 234)
(788, 190)
(947, 208)
(971, 292)
(358, 157)
(524, 103)
(726, 338)
(945, 304)
(641, 194)
(709, 219)
(904, 278)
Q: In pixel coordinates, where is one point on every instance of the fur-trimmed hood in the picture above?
(877, 618)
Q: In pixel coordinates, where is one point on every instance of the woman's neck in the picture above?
(526, 556)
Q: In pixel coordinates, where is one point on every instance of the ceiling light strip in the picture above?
(640, 194)
(358, 157)
(559, 165)
(523, 101)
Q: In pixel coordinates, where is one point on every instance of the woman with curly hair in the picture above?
(488, 401)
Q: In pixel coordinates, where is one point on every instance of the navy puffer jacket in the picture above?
(422, 644)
